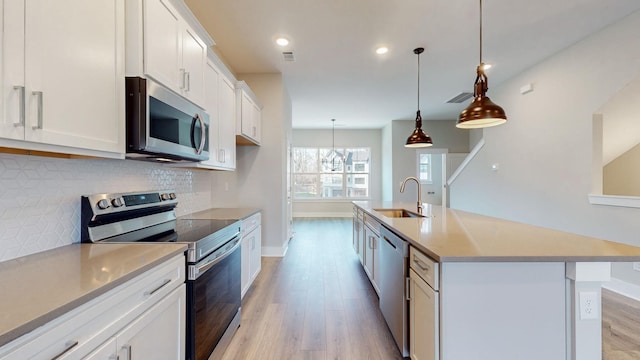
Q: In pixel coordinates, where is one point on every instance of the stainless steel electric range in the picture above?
(212, 258)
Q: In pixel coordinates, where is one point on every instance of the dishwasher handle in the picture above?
(390, 243)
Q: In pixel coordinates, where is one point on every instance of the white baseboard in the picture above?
(275, 251)
(623, 288)
(323, 214)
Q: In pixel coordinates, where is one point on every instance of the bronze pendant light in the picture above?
(418, 138)
(482, 112)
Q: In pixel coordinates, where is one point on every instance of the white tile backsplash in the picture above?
(40, 196)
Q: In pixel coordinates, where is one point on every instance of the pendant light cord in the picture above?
(418, 81)
(481, 32)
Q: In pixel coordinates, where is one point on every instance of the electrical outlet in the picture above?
(588, 305)
(636, 266)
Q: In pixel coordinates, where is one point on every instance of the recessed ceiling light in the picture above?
(382, 50)
(282, 41)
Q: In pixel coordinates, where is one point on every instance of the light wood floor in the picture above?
(317, 303)
(620, 327)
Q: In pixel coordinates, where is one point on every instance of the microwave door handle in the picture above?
(203, 135)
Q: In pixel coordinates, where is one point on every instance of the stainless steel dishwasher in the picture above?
(394, 254)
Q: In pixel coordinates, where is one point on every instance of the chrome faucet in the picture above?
(419, 191)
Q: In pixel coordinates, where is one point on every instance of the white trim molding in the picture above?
(623, 288)
(466, 161)
(323, 214)
(615, 200)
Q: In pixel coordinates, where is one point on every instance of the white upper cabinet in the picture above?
(249, 116)
(220, 104)
(162, 43)
(63, 76)
(227, 122)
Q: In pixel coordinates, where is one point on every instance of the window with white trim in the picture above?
(327, 173)
(424, 168)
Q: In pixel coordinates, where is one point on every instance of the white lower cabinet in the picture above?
(423, 319)
(371, 257)
(251, 258)
(156, 334)
(143, 318)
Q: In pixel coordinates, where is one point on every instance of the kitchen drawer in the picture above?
(251, 223)
(425, 267)
(83, 329)
(372, 223)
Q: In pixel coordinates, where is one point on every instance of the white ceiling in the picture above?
(338, 75)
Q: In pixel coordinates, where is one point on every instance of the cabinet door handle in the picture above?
(68, 346)
(128, 347)
(221, 156)
(254, 131)
(183, 81)
(188, 83)
(407, 291)
(151, 292)
(22, 104)
(421, 265)
(40, 97)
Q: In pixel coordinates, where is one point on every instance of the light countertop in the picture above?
(38, 288)
(449, 235)
(222, 214)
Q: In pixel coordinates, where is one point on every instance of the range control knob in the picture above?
(117, 202)
(172, 196)
(164, 196)
(103, 204)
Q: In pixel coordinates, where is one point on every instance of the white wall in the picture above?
(444, 134)
(387, 162)
(261, 170)
(370, 138)
(545, 149)
(622, 175)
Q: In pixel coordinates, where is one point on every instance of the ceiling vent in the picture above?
(463, 96)
(288, 56)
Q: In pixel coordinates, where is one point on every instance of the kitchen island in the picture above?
(508, 290)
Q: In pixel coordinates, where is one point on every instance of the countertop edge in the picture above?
(42, 320)
(441, 258)
(241, 213)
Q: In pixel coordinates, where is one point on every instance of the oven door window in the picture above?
(176, 128)
(215, 301)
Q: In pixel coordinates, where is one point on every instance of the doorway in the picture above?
(434, 167)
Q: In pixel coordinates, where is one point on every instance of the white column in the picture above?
(584, 309)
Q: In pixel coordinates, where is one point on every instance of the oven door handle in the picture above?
(211, 260)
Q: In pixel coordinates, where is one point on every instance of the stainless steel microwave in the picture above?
(162, 125)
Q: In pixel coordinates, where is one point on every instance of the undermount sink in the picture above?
(398, 213)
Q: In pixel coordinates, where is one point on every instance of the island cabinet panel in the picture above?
(508, 310)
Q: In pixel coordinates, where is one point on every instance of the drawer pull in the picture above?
(421, 265)
(165, 283)
(69, 345)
